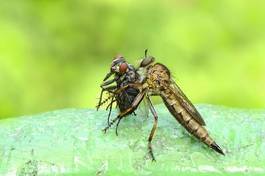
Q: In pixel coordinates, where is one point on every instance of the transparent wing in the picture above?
(185, 102)
(143, 108)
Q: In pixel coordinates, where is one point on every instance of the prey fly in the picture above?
(124, 74)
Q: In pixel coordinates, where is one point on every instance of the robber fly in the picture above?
(124, 74)
(154, 79)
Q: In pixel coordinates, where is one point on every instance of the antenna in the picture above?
(145, 53)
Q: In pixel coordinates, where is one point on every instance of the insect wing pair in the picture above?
(152, 79)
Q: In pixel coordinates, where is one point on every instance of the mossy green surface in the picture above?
(70, 142)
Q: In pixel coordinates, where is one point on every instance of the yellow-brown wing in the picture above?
(185, 102)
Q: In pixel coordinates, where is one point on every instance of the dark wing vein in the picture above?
(185, 102)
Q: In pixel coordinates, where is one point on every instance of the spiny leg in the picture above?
(138, 99)
(151, 135)
(105, 101)
(134, 85)
(109, 89)
(110, 104)
(135, 104)
(100, 99)
(117, 125)
(110, 124)
(110, 109)
(105, 88)
(109, 82)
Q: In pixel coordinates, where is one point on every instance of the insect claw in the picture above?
(105, 130)
(150, 152)
(152, 156)
(116, 131)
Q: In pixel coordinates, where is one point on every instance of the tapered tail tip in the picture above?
(218, 149)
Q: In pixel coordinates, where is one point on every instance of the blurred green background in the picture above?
(54, 54)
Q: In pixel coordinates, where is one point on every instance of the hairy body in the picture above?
(155, 79)
(159, 81)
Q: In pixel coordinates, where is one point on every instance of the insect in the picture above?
(124, 74)
(154, 79)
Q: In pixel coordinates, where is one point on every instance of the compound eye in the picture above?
(123, 68)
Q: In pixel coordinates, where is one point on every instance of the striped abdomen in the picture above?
(187, 121)
(159, 82)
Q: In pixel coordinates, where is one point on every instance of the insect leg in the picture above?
(116, 130)
(108, 75)
(106, 83)
(111, 102)
(110, 124)
(110, 109)
(134, 85)
(151, 135)
(135, 104)
(109, 89)
(104, 88)
(100, 99)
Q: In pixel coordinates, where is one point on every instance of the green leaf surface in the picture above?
(70, 142)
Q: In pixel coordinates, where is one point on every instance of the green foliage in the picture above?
(54, 54)
(71, 142)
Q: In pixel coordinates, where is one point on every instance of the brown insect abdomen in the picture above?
(191, 125)
(159, 80)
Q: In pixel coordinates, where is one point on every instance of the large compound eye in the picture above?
(123, 68)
